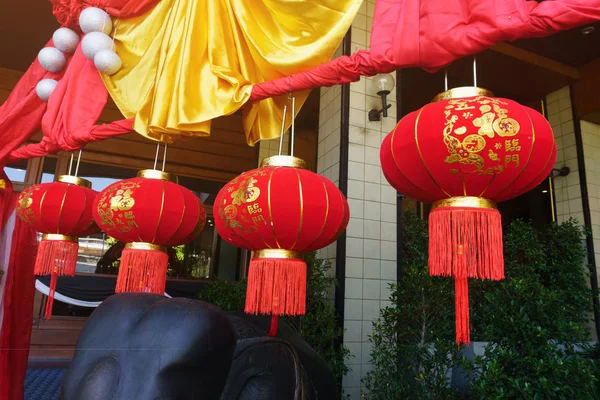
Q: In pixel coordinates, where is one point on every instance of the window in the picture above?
(97, 262)
(534, 206)
(17, 172)
(48, 170)
(194, 260)
(102, 176)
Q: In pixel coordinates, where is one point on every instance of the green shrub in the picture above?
(413, 341)
(318, 327)
(537, 319)
(228, 296)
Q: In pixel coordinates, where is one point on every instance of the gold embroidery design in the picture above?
(493, 122)
(114, 207)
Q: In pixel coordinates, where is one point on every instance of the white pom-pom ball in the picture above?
(52, 59)
(93, 42)
(44, 88)
(65, 39)
(93, 19)
(107, 62)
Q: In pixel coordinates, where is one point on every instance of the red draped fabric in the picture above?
(19, 291)
(67, 11)
(72, 112)
(432, 34)
(21, 113)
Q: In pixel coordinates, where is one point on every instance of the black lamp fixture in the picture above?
(384, 84)
(564, 171)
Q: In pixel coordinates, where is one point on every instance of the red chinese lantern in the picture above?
(62, 211)
(279, 211)
(149, 213)
(464, 152)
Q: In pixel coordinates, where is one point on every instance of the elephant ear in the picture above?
(146, 347)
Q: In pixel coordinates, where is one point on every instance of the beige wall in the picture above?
(371, 234)
(590, 134)
(567, 189)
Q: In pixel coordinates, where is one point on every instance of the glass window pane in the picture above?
(48, 169)
(102, 176)
(16, 172)
(195, 260)
(205, 190)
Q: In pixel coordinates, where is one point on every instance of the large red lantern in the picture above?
(62, 211)
(279, 211)
(149, 213)
(464, 152)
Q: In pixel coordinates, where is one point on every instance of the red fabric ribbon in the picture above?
(432, 34)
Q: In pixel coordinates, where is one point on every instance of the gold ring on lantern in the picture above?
(283, 161)
(74, 180)
(278, 254)
(465, 201)
(463, 91)
(145, 246)
(156, 174)
(58, 237)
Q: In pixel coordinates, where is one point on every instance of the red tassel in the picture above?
(276, 286)
(142, 270)
(461, 294)
(466, 242)
(273, 328)
(55, 258)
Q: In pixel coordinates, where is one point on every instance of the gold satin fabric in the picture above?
(186, 62)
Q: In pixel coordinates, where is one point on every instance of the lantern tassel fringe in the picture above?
(55, 258)
(142, 271)
(461, 294)
(466, 242)
(276, 287)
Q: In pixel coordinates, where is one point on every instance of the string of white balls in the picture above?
(96, 45)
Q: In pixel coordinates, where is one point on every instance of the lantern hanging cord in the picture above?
(156, 155)
(164, 158)
(446, 79)
(78, 161)
(282, 129)
(475, 71)
(71, 164)
(293, 120)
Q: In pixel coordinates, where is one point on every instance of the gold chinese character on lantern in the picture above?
(254, 208)
(512, 145)
(514, 159)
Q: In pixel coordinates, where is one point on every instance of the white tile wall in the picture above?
(567, 189)
(590, 133)
(372, 207)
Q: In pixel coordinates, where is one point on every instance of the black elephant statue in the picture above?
(139, 346)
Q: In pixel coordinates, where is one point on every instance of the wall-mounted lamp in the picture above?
(384, 84)
(564, 171)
